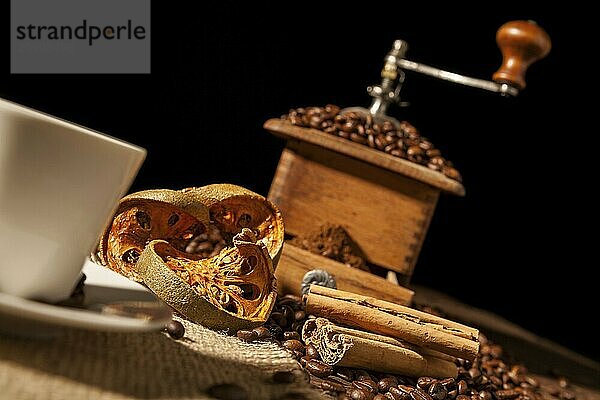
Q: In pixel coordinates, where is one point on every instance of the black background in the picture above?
(517, 244)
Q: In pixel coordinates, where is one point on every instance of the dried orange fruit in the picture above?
(233, 290)
(225, 281)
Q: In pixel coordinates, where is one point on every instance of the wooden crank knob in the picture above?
(521, 43)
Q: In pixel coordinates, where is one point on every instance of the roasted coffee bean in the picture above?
(227, 391)
(262, 332)
(275, 330)
(448, 383)
(380, 397)
(345, 373)
(563, 382)
(386, 383)
(175, 329)
(288, 313)
(303, 360)
(366, 384)
(329, 386)
(289, 335)
(311, 351)
(506, 394)
(284, 377)
(484, 395)
(248, 336)
(452, 394)
(474, 373)
(399, 394)
(361, 129)
(419, 394)
(496, 381)
(438, 391)
(293, 344)
(358, 394)
(425, 381)
(299, 315)
(362, 375)
(279, 319)
(339, 380)
(355, 137)
(319, 368)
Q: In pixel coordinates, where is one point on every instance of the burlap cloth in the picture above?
(97, 365)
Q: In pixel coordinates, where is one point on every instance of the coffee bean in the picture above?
(275, 330)
(474, 373)
(358, 138)
(288, 313)
(380, 397)
(424, 382)
(496, 381)
(303, 360)
(386, 383)
(329, 386)
(399, 394)
(289, 335)
(319, 368)
(283, 377)
(248, 336)
(506, 394)
(227, 391)
(366, 384)
(419, 394)
(262, 332)
(484, 395)
(414, 151)
(279, 319)
(362, 375)
(311, 351)
(361, 129)
(462, 397)
(345, 373)
(293, 344)
(175, 329)
(438, 391)
(448, 383)
(299, 315)
(452, 394)
(358, 394)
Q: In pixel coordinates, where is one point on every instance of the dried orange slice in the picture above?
(233, 290)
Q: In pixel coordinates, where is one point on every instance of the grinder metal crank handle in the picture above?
(521, 43)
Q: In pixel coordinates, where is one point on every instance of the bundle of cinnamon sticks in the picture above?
(363, 332)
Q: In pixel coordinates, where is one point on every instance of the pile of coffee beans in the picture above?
(492, 376)
(402, 141)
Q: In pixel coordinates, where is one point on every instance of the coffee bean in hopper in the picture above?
(403, 141)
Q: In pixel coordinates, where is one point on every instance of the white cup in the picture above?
(60, 183)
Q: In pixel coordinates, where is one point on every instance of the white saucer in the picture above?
(112, 303)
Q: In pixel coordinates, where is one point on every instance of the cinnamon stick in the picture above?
(389, 319)
(358, 349)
